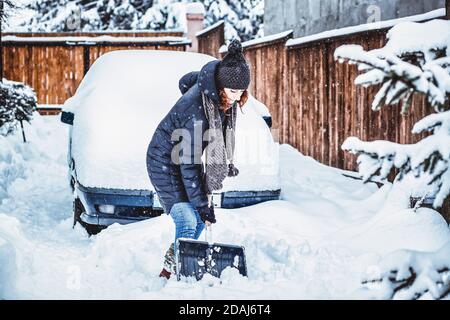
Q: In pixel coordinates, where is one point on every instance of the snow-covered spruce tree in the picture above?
(163, 15)
(415, 61)
(17, 103)
(406, 274)
(243, 19)
(3, 4)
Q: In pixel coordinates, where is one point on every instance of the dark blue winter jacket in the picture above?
(183, 182)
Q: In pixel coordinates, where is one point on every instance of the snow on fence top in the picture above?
(211, 27)
(266, 39)
(94, 32)
(98, 39)
(365, 27)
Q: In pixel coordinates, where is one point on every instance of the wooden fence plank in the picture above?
(55, 69)
(210, 42)
(318, 105)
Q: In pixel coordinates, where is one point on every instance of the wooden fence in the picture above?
(325, 106)
(211, 38)
(54, 64)
(313, 100)
(269, 86)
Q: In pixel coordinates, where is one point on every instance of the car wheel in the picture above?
(93, 229)
(78, 209)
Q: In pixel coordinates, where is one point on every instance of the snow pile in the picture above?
(327, 234)
(8, 267)
(42, 160)
(119, 104)
(356, 214)
(27, 179)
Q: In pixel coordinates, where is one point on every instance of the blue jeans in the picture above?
(188, 223)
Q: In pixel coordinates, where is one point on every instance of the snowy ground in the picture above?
(326, 234)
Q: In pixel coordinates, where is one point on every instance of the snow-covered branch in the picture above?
(3, 4)
(406, 274)
(429, 158)
(416, 60)
(399, 78)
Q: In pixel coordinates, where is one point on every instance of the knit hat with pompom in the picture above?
(233, 71)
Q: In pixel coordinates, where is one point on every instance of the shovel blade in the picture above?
(196, 258)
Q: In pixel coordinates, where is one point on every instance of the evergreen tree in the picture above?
(243, 19)
(408, 66)
(17, 103)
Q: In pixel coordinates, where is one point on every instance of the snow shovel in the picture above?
(195, 258)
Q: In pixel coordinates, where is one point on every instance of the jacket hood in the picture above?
(207, 80)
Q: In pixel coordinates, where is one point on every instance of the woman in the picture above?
(204, 117)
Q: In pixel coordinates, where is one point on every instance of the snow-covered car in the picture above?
(113, 115)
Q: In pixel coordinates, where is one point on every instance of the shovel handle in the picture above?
(209, 200)
(208, 233)
(208, 225)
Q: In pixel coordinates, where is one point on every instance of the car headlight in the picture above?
(106, 208)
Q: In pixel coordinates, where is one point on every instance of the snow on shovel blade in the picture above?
(195, 258)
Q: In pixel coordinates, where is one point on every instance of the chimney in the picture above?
(195, 16)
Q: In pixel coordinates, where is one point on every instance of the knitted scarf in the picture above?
(219, 148)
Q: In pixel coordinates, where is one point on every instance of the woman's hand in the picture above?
(207, 214)
(232, 170)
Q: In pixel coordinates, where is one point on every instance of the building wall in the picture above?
(308, 17)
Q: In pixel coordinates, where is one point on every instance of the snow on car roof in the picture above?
(118, 106)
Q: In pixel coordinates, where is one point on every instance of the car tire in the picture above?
(78, 209)
(92, 229)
